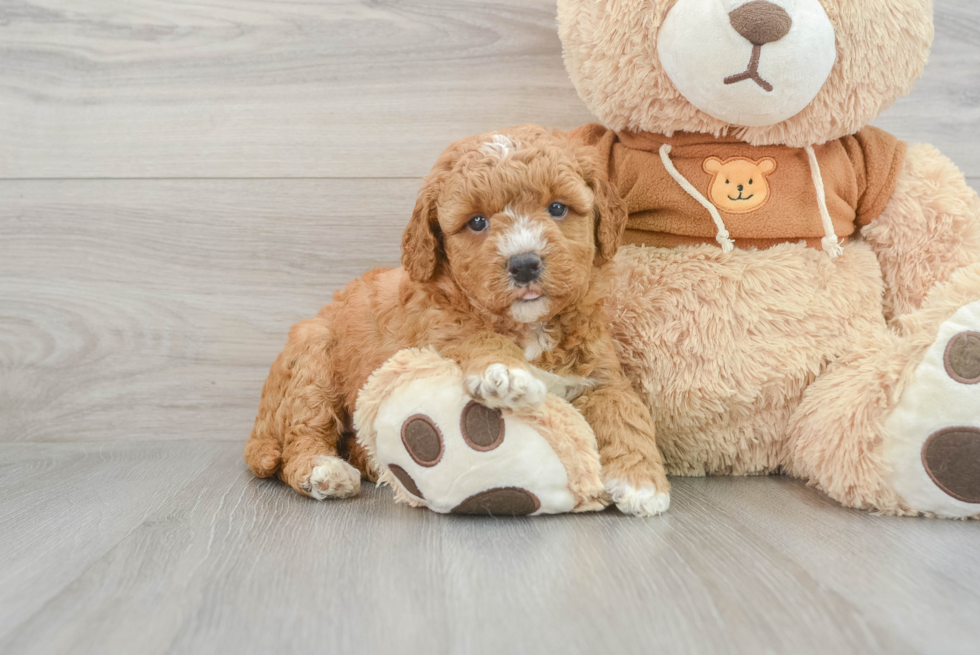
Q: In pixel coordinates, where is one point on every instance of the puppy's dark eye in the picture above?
(558, 210)
(478, 223)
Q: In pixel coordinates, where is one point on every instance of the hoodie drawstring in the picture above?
(830, 243)
(723, 238)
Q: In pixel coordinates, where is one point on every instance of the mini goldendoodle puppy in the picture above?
(506, 261)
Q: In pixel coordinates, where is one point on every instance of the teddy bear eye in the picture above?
(727, 182)
(478, 223)
(750, 181)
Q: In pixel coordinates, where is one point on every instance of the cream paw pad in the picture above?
(438, 448)
(935, 451)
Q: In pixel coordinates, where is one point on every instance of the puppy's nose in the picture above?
(525, 268)
(761, 22)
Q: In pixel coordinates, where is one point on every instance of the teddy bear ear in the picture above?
(767, 165)
(712, 165)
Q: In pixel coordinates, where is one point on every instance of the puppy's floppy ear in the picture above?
(422, 239)
(609, 209)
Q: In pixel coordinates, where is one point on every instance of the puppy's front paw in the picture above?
(500, 387)
(332, 477)
(643, 501)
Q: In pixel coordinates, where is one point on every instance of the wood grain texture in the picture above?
(153, 309)
(233, 564)
(269, 88)
(332, 88)
(63, 508)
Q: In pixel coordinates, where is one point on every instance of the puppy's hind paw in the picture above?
(643, 501)
(500, 387)
(332, 477)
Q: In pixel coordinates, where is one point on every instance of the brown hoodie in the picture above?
(764, 195)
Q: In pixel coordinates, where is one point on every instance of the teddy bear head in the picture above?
(772, 72)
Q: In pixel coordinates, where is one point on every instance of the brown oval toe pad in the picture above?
(507, 501)
(952, 459)
(482, 427)
(423, 440)
(406, 480)
(963, 358)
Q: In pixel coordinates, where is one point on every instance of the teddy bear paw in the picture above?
(500, 387)
(441, 449)
(332, 477)
(934, 449)
(643, 501)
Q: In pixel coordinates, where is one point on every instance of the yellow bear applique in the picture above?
(739, 185)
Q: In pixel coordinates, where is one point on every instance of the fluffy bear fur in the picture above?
(783, 359)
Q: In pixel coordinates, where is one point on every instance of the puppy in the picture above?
(505, 267)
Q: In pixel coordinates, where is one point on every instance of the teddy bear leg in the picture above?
(929, 229)
(439, 448)
(894, 426)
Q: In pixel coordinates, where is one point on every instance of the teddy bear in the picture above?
(798, 292)
(803, 292)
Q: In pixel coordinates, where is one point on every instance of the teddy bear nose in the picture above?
(525, 268)
(741, 187)
(761, 22)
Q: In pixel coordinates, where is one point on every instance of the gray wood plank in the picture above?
(944, 107)
(334, 88)
(63, 507)
(232, 564)
(153, 309)
(915, 578)
(266, 88)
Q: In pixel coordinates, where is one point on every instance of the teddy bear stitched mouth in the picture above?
(759, 22)
(752, 73)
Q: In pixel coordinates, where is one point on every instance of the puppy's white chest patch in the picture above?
(538, 342)
(567, 387)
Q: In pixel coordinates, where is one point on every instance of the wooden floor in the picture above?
(179, 183)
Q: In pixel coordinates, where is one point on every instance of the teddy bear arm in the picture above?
(929, 229)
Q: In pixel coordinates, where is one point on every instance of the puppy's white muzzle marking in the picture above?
(524, 235)
(530, 311)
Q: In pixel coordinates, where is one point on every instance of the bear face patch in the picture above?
(739, 185)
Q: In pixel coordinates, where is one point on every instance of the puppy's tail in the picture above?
(263, 454)
(263, 451)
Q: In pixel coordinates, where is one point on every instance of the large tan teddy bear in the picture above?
(800, 292)
(803, 295)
